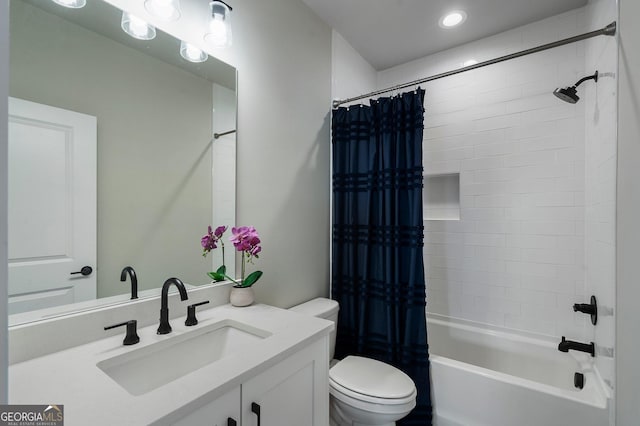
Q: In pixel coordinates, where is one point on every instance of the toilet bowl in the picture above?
(362, 391)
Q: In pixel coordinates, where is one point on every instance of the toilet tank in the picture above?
(322, 308)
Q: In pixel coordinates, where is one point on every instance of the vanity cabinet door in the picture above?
(216, 413)
(293, 392)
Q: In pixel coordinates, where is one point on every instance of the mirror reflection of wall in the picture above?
(155, 121)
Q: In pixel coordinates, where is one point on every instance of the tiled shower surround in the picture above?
(600, 190)
(516, 256)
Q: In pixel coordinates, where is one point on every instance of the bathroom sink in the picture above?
(145, 369)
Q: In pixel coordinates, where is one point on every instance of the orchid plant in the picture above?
(209, 242)
(246, 240)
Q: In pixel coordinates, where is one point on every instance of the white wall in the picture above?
(515, 258)
(628, 212)
(601, 111)
(4, 92)
(351, 74)
(284, 103)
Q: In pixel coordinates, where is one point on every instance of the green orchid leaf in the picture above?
(222, 270)
(251, 279)
(216, 276)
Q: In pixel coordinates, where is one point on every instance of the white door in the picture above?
(52, 206)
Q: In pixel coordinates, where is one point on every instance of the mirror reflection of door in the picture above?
(52, 206)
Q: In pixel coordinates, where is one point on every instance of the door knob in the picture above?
(86, 270)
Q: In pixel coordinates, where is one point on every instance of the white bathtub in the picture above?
(486, 377)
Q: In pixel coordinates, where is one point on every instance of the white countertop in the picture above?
(71, 377)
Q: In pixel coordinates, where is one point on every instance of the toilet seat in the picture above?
(369, 381)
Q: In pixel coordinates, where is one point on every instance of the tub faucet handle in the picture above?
(589, 309)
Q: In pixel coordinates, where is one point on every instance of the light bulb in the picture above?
(167, 10)
(136, 27)
(217, 31)
(73, 4)
(191, 53)
(219, 34)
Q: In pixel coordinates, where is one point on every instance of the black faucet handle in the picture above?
(589, 309)
(131, 337)
(191, 314)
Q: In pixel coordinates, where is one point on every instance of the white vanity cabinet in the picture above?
(293, 392)
(223, 411)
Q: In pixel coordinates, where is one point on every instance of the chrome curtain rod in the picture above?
(609, 30)
(217, 135)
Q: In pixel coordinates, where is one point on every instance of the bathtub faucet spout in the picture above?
(566, 345)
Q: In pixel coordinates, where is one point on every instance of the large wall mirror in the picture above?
(113, 160)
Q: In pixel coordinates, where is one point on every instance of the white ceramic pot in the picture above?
(241, 296)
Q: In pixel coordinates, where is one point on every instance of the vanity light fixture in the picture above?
(73, 4)
(137, 28)
(191, 53)
(167, 10)
(453, 19)
(219, 34)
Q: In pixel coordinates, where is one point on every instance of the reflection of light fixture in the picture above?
(136, 27)
(167, 10)
(219, 34)
(191, 53)
(73, 4)
(469, 62)
(453, 19)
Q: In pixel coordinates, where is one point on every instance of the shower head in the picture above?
(567, 94)
(570, 94)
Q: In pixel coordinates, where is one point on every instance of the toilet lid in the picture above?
(373, 378)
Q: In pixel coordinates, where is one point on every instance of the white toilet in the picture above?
(363, 391)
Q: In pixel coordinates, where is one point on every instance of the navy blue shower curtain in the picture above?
(378, 268)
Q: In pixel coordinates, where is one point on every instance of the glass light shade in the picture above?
(191, 53)
(219, 34)
(73, 4)
(137, 28)
(167, 10)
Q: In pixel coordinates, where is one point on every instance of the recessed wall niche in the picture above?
(441, 197)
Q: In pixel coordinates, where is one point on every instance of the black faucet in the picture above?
(165, 327)
(565, 345)
(134, 280)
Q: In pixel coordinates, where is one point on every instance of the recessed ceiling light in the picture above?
(453, 19)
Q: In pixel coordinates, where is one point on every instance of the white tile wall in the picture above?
(516, 258)
(600, 189)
